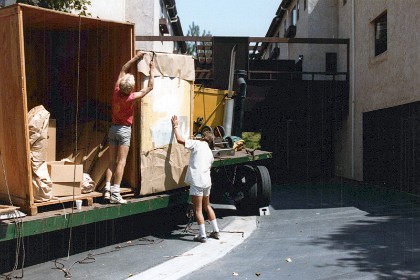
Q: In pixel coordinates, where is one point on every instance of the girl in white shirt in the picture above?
(199, 180)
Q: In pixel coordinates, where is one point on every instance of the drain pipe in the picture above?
(240, 103)
(353, 26)
(229, 103)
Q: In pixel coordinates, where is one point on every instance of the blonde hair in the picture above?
(127, 83)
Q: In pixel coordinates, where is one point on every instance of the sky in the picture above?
(247, 18)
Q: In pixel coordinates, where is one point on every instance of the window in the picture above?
(344, 2)
(293, 16)
(297, 11)
(380, 24)
(331, 62)
(304, 4)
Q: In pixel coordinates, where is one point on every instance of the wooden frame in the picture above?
(87, 58)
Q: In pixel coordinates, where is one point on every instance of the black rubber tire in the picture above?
(264, 186)
(246, 182)
(206, 128)
(219, 131)
(230, 142)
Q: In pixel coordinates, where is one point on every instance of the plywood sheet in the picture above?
(14, 145)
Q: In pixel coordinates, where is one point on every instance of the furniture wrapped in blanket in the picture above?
(159, 162)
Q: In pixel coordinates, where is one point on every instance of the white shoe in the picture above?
(117, 198)
(107, 195)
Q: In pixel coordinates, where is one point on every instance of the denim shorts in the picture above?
(197, 191)
(119, 135)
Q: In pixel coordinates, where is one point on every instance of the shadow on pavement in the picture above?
(384, 242)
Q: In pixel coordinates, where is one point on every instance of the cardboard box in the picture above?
(61, 171)
(51, 140)
(66, 178)
(66, 189)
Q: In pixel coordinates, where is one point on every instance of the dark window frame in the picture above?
(331, 62)
(380, 24)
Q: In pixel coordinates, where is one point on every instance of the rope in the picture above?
(90, 258)
(19, 231)
(69, 224)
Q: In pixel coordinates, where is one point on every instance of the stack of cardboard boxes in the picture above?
(66, 176)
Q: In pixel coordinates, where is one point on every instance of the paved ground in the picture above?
(319, 231)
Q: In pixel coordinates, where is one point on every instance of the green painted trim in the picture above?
(231, 161)
(33, 226)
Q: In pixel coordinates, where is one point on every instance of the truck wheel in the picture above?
(219, 131)
(206, 128)
(246, 198)
(264, 185)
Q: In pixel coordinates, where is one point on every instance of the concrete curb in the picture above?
(205, 253)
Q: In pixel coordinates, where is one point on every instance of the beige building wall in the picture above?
(387, 80)
(144, 14)
(318, 20)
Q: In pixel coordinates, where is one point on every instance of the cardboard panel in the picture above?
(51, 142)
(14, 146)
(163, 165)
(66, 189)
(61, 171)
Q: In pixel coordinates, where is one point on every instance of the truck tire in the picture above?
(246, 183)
(264, 186)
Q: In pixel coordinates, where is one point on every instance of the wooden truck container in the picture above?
(68, 64)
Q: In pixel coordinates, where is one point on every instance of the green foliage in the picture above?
(79, 6)
(194, 30)
(252, 139)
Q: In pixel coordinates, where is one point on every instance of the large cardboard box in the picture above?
(66, 189)
(61, 171)
(161, 162)
(66, 178)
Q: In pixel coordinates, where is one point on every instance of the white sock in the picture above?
(202, 230)
(214, 225)
(108, 186)
(115, 188)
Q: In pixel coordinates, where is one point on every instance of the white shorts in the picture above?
(197, 191)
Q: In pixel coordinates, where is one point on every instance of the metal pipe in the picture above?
(229, 105)
(353, 98)
(240, 103)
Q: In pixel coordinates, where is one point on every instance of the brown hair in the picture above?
(208, 136)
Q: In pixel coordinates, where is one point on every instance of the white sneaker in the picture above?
(107, 195)
(117, 198)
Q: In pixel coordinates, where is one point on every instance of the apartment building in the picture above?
(379, 139)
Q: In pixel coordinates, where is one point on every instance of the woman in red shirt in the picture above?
(119, 134)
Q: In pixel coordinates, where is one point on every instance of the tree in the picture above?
(194, 30)
(79, 6)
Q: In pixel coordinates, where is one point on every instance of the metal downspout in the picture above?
(353, 26)
(228, 115)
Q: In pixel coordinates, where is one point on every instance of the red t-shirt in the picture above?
(122, 108)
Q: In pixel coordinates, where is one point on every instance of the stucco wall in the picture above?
(319, 20)
(387, 80)
(110, 10)
(145, 16)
